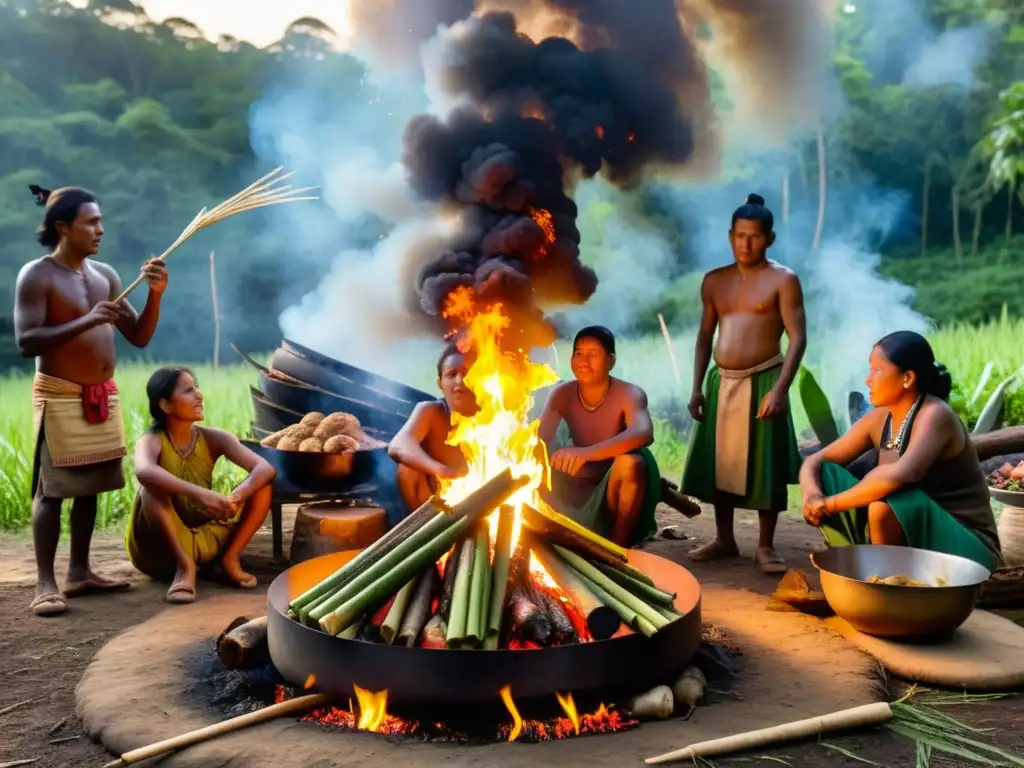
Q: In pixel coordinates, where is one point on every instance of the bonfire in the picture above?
(487, 562)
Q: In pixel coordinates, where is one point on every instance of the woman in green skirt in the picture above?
(927, 490)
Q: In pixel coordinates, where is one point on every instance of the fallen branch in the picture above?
(299, 704)
(62, 739)
(15, 763)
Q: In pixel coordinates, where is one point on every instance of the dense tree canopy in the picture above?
(154, 118)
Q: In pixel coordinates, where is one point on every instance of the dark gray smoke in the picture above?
(535, 117)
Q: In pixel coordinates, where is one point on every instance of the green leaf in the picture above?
(994, 407)
(817, 407)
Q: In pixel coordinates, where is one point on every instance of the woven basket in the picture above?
(1011, 535)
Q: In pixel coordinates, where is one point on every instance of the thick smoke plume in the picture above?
(535, 116)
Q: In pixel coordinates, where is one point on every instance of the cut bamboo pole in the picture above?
(216, 313)
(856, 717)
(298, 704)
(418, 611)
(418, 559)
(651, 594)
(393, 621)
(458, 616)
(643, 610)
(439, 523)
(480, 586)
(499, 575)
(406, 528)
(602, 620)
(671, 351)
(559, 529)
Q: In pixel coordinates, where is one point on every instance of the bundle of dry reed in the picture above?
(259, 194)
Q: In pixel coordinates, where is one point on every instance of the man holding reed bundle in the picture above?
(607, 480)
(64, 317)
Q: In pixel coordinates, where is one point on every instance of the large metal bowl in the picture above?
(910, 613)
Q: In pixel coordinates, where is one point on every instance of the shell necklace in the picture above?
(600, 402)
(896, 444)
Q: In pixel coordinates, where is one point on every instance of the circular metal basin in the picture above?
(626, 662)
(912, 613)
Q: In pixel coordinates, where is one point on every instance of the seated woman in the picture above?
(928, 490)
(178, 522)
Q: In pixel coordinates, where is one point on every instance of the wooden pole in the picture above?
(299, 704)
(822, 188)
(216, 312)
(671, 351)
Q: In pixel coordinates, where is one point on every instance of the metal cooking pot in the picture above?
(909, 613)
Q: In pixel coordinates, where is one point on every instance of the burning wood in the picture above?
(540, 594)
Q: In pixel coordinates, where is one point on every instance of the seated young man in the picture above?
(420, 448)
(607, 480)
(178, 522)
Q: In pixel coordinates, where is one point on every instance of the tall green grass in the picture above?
(966, 351)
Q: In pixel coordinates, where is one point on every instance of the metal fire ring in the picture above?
(628, 662)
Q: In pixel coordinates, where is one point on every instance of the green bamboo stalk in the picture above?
(352, 630)
(458, 614)
(499, 575)
(425, 534)
(643, 610)
(389, 627)
(376, 591)
(479, 586)
(626, 614)
(402, 531)
(602, 619)
(668, 613)
(639, 588)
(633, 573)
(645, 626)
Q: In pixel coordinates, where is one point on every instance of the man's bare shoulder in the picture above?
(718, 274)
(105, 270)
(37, 271)
(556, 398)
(632, 392)
(782, 273)
(432, 412)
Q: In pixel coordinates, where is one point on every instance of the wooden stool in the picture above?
(335, 526)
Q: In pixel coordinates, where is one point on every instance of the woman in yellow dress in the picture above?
(178, 522)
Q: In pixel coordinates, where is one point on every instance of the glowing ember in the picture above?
(569, 707)
(543, 219)
(372, 717)
(600, 132)
(310, 682)
(631, 137)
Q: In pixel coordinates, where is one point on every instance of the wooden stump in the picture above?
(325, 527)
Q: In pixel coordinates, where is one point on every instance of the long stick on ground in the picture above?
(856, 717)
(671, 351)
(299, 704)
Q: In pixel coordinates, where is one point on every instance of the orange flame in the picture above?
(544, 220)
(499, 434)
(517, 727)
(569, 707)
(373, 709)
(310, 682)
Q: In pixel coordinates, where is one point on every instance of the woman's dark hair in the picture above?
(911, 351)
(161, 386)
(61, 206)
(451, 349)
(754, 209)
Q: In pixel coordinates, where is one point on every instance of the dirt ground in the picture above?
(43, 659)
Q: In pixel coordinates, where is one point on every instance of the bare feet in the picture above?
(769, 561)
(89, 582)
(715, 550)
(183, 587)
(238, 575)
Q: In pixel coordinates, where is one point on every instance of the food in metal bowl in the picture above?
(1008, 477)
(903, 580)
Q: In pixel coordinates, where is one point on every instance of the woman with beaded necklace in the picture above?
(928, 490)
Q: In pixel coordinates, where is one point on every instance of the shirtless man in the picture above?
(744, 453)
(607, 480)
(420, 448)
(64, 316)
